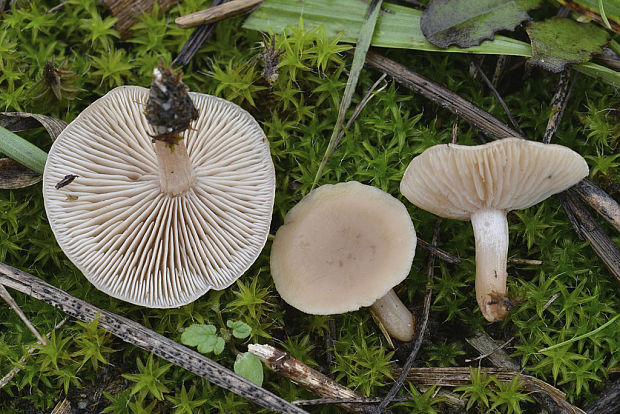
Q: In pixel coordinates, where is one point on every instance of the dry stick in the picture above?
(587, 228)
(502, 61)
(497, 96)
(600, 201)
(558, 105)
(361, 400)
(283, 364)
(525, 262)
(215, 14)
(459, 376)
(196, 40)
(608, 402)
(136, 334)
(436, 251)
(418, 342)
(442, 96)
(493, 128)
(31, 350)
(4, 294)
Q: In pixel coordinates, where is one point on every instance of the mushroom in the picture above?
(345, 246)
(482, 183)
(159, 225)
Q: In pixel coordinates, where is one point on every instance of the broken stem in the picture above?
(394, 316)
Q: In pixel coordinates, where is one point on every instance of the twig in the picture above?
(418, 342)
(4, 294)
(455, 131)
(600, 201)
(558, 105)
(31, 350)
(215, 14)
(525, 262)
(502, 61)
(497, 96)
(196, 40)
(136, 334)
(371, 400)
(283, 364)
(358, 109)
(436, 251)
(487, 123)
(587, 228)
(608, 402)
(458, 376)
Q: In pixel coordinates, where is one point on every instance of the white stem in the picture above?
(394, 316)
(491, 234)
(176, 173)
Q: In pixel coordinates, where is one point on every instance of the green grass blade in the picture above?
(577, 338)
(397, 27)
(601, 10)
(22, 151)
(359, 57)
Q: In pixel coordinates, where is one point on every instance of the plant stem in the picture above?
(175, 168)
(22, 151)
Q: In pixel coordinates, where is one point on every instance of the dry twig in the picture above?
(600, 201)
(136, 334)
(215, 14)
(4, 294)
(418, 342)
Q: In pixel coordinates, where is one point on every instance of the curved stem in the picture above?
(491, 234)
(175, 168)
(394, 316)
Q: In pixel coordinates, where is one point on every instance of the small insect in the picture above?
(270, 56)
(66, 181)
(505, 301)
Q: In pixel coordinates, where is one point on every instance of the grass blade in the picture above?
(22, 151)
(359, 57)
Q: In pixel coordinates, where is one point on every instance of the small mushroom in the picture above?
(482, 183)
(345, 246)
(159, 225)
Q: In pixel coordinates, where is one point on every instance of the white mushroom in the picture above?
(345, 246)
(160, 230)
(482, 183)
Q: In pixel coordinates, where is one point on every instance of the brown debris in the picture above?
(128, 12)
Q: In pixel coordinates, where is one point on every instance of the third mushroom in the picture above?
(345, 246)
(482, 183)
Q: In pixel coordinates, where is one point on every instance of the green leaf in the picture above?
(196, 335)
(559, 41)
(397, 27)
(249, 367)
(239, 329)
(467, 23)
(605, 12)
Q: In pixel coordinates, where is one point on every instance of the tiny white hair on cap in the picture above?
(143, 246)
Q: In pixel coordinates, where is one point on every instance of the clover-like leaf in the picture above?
(249, 367)
(559, 41)
(239, 329)
(466, 23)
(203, 337)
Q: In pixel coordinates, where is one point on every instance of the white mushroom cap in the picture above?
(454, 181)
(342, 247)
(136, 243)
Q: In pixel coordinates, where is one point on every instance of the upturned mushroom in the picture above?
(482, 183)
(160, 224)
(345, 246)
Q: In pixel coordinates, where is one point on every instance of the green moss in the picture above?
(298, 112)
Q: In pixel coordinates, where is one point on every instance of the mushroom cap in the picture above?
(136, 243)
(454, 181)
(342, 247)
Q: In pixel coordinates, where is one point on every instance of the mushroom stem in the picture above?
(175, 168)
(394, 316)
(491, 234)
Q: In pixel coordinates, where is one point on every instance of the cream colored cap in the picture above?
(142, 246)
(454, 181)
(342, 247)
